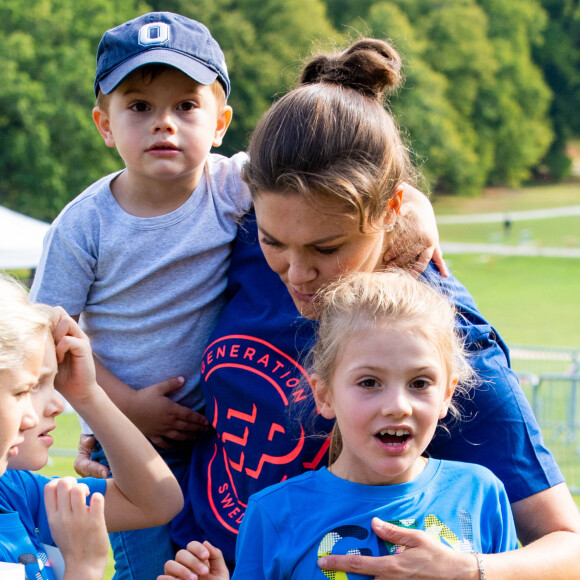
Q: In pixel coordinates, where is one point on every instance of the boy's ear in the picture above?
(223, 122)
(449, 390)
(103, 124)
(322, 397)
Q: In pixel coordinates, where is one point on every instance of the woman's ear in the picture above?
(103, 124)
(449, 390)
(322, 397)
(392, 210)
(396, 201)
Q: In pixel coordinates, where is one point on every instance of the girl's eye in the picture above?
(139, 107)
(420, 384)
(369, 383)
(326, 251)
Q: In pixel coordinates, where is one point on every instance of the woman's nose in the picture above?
(301, 271)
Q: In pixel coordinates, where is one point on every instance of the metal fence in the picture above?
(551, 379)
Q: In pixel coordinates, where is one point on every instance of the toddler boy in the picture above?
(141, 256)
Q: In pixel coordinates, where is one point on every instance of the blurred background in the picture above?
(490, 110)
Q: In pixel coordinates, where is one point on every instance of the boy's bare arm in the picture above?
(155, 414)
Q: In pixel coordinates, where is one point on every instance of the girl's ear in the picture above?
(103, 124)
(322, 397)
(449, 390)
(223, 123)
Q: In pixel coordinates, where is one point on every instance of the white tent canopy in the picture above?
(20, 240)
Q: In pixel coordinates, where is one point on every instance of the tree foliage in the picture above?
(477, 107)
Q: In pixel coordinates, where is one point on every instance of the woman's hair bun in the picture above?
(370, 66)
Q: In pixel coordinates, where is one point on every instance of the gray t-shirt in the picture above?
(149, 290)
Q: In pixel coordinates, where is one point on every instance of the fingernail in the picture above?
(322, 562)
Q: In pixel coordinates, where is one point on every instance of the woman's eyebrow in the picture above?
(312, 243)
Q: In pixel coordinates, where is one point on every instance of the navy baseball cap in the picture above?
(163, 38)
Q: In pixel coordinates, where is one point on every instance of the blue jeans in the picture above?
(141, 554)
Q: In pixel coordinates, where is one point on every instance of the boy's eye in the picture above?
(139, 107)
(187, 106)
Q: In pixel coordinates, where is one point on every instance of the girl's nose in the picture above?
(396, 403)
(29, 416)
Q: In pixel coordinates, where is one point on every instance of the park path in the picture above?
(498, 217)
(507, 250)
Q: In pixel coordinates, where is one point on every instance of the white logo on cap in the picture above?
(154, 33)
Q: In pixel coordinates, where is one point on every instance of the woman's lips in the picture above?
(301, 295)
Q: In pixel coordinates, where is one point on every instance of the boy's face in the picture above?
(47, 403)
(163, 126)
(17, 415)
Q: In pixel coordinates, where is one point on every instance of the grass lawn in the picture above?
(530, 301)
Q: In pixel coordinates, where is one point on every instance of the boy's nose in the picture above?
(164, 124)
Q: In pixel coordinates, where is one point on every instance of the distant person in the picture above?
(385, 366)
(42, 520)
(141, 256)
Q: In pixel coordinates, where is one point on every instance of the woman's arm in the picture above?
(143, 491)
(548, 525)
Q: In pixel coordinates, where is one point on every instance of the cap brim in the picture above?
(192, 68)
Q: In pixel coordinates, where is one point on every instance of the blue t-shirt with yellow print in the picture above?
(288, 526)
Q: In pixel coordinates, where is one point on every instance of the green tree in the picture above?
(263, 41)
(559, 57)
(51, 150)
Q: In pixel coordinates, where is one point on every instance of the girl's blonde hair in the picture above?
(20, 322)
(360, 302)
(332, 135)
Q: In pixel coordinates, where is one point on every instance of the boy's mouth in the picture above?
(393, 436)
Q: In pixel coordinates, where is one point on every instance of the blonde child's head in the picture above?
(20, 323)
(359, 304)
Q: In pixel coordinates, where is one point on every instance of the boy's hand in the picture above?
(160, 418)
(79, 531)
(197, 562)
(415, 240)
(84, 465)
(76, 375)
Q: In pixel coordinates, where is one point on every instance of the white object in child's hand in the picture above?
(56, 561)
(11, 571)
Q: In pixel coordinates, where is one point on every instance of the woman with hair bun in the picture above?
(328, 172)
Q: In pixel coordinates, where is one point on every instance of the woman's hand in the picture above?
(423, 558)
(415, 239)
(197, 562)
(78, 531)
